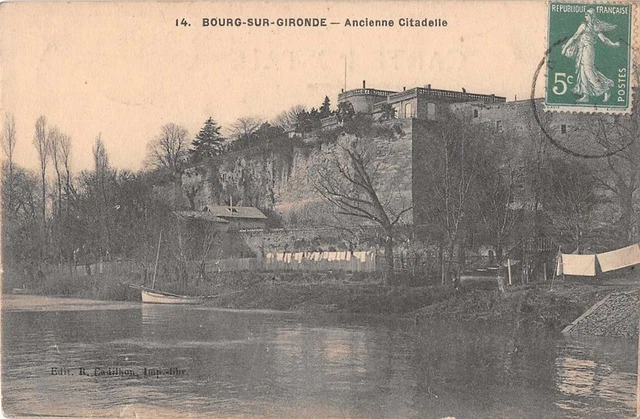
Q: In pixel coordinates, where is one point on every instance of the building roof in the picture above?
(447, 95)
(200, 215)
(236, 212)
(364, 92)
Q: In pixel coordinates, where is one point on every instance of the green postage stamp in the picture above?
(589, 62)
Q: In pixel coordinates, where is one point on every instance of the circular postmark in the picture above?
(609, 150)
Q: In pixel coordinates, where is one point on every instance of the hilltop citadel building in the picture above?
(284, 184)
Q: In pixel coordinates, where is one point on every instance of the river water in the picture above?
(178, 360)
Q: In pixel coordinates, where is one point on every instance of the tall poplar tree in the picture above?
(42, 143)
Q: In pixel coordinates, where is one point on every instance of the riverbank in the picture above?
(533, 305)
(536, 305)
(530, 306)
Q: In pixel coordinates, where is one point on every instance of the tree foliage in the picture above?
(308, 121)
(388, 112)
(263, 136)
(345, 112)
(325, 108)
(208, 143)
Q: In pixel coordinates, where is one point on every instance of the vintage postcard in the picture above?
(304, 209)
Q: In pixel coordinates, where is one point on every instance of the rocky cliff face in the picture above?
(247, 178)
(297, 195)
(284, 179)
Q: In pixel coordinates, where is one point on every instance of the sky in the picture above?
(123, 70)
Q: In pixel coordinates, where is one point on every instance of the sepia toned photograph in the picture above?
(357, 209)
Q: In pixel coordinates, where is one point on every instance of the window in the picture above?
(499, 125)
(475, 113)
(407, 111)
(563, 128)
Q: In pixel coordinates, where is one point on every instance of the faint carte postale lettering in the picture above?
(589, 57)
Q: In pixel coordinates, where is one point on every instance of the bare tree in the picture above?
(455, 168)
(536, 167)
(572, 199)
(619, 171)
(59, 149)
(55, 138)
(245, 127)
(289, 118)
(100, 158)
(495, 208)
(622, 177)
(101, 178)
(41, 141)
(64, 150)
(169, 150)
(616, 139)
(192, 184)
(8, 147)
(355, 181)
(203, 248)
(22, 247)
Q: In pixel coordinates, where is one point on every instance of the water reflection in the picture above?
(248, 363)
(597, 372)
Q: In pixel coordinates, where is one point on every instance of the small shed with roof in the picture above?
(200, 216)
(238, 218)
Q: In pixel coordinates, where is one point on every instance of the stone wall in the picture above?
(614, 316)
(326, 239)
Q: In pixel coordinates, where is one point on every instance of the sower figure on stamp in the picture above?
(581, 46)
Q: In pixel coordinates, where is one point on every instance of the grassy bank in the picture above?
(106, 287)
(531, 305)
(351, 298)
(534, 305)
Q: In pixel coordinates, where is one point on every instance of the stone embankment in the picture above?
(616, 315)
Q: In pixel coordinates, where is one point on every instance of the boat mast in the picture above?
(155, 269)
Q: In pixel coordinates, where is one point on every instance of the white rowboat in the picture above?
(158, 297)
(151, 296)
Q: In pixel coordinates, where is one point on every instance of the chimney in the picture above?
(404, 88)
(364, 84)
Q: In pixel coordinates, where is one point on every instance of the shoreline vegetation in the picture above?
(540, 305)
